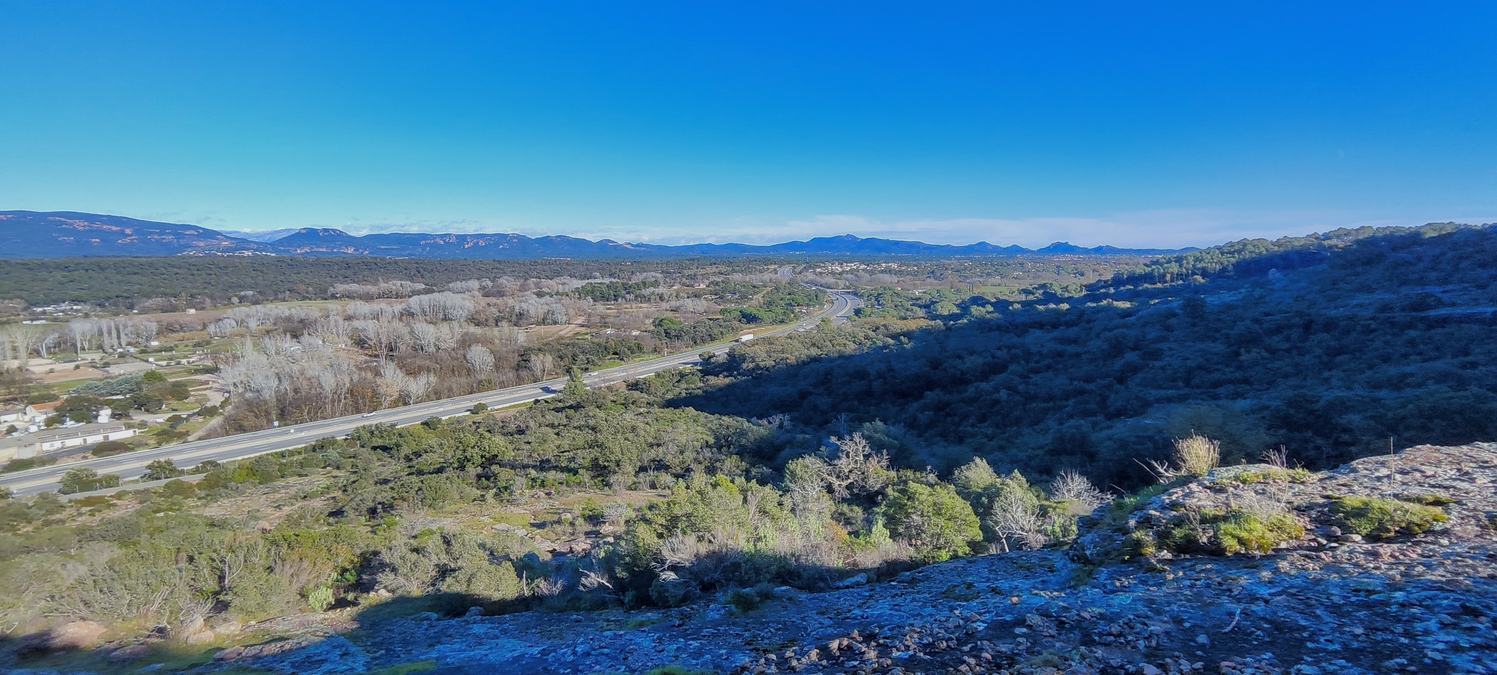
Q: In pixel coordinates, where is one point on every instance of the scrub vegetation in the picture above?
(951, 417)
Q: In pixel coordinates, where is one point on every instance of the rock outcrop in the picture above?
(1387, 564)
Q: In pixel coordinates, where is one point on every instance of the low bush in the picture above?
(745, 600)
(26, 463)
(108, 448)
(455, 565)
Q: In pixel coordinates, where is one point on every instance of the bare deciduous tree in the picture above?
(424, 337)
(415, 387)
(222, 328)
(480, 361)
(541, 365)
(1070, 486)
(82, 332)
(1015, 516)
(443, 306)
(857, 469)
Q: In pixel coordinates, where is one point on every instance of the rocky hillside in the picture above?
(30, 234)
(1386, 564)
(67, 234)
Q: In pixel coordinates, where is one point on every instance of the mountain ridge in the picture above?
(71, 234)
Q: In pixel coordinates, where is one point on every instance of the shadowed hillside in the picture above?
(1329, 346)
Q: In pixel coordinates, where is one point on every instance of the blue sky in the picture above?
(1174, 124)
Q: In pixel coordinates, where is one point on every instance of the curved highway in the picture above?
(185, 455)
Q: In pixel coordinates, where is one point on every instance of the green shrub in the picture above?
(1384, 518)
(456, 564)
(179, 488)
(161, 469)
(320, 598)
(85, 480)
(934, 520)
(108, 448)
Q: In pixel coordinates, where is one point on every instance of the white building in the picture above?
(20, 416)
(52, 440)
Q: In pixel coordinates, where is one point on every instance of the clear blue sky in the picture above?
(1111, 123)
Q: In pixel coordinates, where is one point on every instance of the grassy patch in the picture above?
(1431, 499)
(1273, 475)
(1122, 507)
(1140, 544)
(1384, 518)
(1229, 532)
(511, 518)
(1249, 533)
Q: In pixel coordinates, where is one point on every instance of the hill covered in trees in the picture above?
(67, 234)
(1330, 347)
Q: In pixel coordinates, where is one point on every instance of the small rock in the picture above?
(130, 652)
(852, 581)
(199, 637)
(76, 635)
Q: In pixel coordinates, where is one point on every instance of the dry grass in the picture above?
(1195, 456)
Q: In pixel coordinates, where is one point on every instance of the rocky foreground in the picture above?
(1407, 596)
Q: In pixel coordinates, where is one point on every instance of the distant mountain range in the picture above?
(68, 234)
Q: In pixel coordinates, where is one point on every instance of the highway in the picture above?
(240, 446)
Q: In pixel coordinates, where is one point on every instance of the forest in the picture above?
(204, 281)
